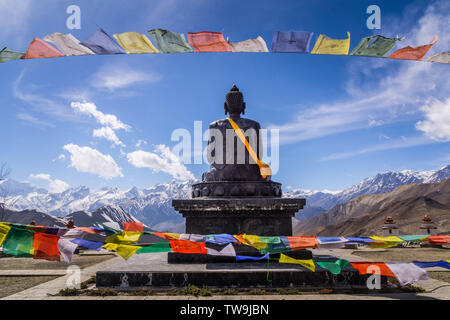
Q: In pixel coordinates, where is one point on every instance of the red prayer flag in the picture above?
(413, 53)
(206, 41)
(302, 242)
(133, 226)
(186, 246)
(41, 49)
(362, 268)
(46, 247)
(439, 239)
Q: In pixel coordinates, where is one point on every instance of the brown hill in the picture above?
(365, 214)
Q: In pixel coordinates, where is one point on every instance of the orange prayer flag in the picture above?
(439, 239)
(302, 242)
(206, 41)
(186, 246)
(362, 268)
(46, 247)
(413, 53)
(41, 49)
(133, 226)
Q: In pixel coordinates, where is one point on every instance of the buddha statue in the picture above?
(229, 159)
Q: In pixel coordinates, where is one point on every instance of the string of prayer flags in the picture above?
(227, 251)
(66, 249)
(133, 226)
(429, 264)
(91, 245)
(101, 43)
(309, 264)
(291, 41)
(250, 45)
(170, 42)
(243, 258)
(8, 55)
(68, 44)
(40, 49)
(372, 267)
(185, 246)
(19, 242)
(413, 53)
(443, 57)
(123, 250)
(407, 273)
(162, 246)
(325, 45)
(334, 267)
(135, 42)
(374, 46)
(206, 41)
(46, 247)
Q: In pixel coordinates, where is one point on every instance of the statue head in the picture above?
(234, 102)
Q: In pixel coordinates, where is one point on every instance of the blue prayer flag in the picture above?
(91, 245)
(101, 43)
(291, 41)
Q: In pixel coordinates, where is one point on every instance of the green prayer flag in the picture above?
(19, 242)
(334, 267)
(170, 42)
(7, 55)
(379, 47)
(162, 246)
(413, 237)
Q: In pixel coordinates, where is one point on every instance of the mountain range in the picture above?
(153, 206)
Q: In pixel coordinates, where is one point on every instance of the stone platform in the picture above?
(152, 270)
(268, 216)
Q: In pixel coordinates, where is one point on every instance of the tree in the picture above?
(5, 171)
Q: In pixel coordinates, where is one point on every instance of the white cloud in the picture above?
(54, 185)
(141, 143)
(436, 125)
(33, 120)
(89, 160)
(108, 134)
(113, 77)
(109, 120)
(162, 160)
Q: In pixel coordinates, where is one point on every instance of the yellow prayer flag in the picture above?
(309, 264)
(125, 237)
(4, 229)
(385, 242)
(134, 42)
(254, 241)
(325, 45)
(125, 251)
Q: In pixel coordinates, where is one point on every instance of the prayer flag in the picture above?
(241, 258)
(68, 44)
(66, 249)
(385, 242)
(124, 237)
(75, 233)
(170, 42)
(429, 264)
(185, 246)
(309, 264)
(101, 43)
(167, 235)
(374, 46)
(162, 246)
(443, 57)
(413, 53)
(227, 251)
(134, 42)
(381, 266)
(133, 226)
(220, 238)
(254, 241)
(46, 247)
(250, 45)
(8, 55)
(19, 242)
(91, 245)
(192, 237)
(331, 242)
(291, 41)
(334, 267)
(4, 229)
(125, 251)
(407, 273)
(359, 240)
(410, 238)
(41, 49)
(325, 45)
(301, 242)
(206, 41)
(439, 239)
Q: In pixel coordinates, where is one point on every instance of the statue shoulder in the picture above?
(219, 123)
(249, 123)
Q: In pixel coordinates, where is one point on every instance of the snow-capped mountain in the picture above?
(153, 206)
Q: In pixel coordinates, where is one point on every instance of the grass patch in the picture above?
(102, 292)
(69, 292)
(142, 292)
(325, 291)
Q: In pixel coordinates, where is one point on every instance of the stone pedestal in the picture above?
(264, 216)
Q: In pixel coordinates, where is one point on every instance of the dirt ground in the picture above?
(409, 255)
(11, 285)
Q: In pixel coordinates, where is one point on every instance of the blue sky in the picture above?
(341, 118)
